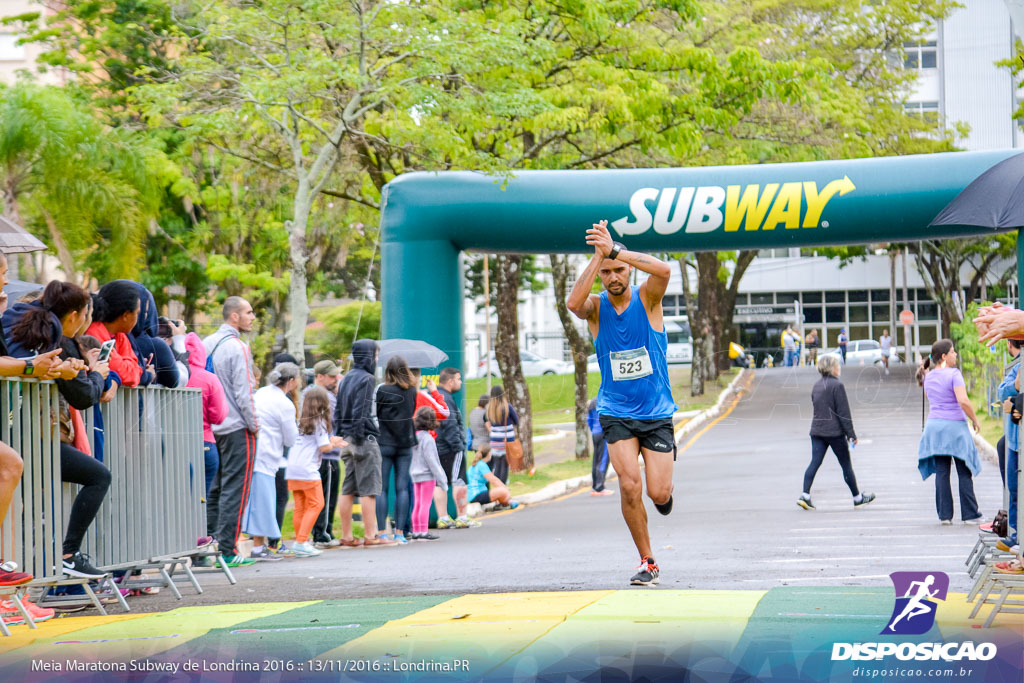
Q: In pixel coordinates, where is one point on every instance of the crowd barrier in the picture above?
(155, 508)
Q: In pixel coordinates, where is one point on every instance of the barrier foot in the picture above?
(191, 576)
(95, 600)
(109, 581)
(3, 628)
(227, 571)
(24, 612)
(169, 583)
(998, 606)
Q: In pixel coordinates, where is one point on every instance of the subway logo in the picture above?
(706, 209)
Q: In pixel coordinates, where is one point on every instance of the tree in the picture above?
(342, 325)
(561, 274)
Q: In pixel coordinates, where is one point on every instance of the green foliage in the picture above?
(343, 325)
(978, 363)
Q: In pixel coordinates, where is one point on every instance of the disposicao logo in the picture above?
(706, 209)
(914, 614)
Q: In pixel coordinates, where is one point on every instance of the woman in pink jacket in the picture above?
(215, 403)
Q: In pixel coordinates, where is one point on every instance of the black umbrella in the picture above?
(995, 199)
(417, 354)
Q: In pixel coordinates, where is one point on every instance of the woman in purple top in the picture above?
(946, 438)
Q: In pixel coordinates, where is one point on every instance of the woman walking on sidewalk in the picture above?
(831, 426)
(946, 438)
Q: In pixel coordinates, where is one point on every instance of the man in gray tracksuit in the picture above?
(236, 435)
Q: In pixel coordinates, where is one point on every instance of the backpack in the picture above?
(209, 358)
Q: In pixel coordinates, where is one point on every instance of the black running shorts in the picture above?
(654, 435)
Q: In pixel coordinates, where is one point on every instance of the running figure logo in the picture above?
(914, 612)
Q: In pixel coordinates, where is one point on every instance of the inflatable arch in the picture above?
(428, 219)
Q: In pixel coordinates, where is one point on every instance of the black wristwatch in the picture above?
(29, 368)
(616, 248)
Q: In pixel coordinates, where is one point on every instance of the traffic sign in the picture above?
(907, 317)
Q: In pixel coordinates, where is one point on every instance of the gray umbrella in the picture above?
(995, 199)
(15, 289)
(417, 354)
(14, 239)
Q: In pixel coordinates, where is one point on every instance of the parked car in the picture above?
(533, 365)
(866, 350)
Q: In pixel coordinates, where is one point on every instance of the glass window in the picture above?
(812, 314)
(858, 295)
(786, 297)
(929, 335)
(868, 345)
(857, 332)
(858, 314)
(879, 294)
(742, 299)
(812, 297)
(927, 311)
(761, 298)
(835, 314)
(922, 54)
(835, 297)
(880, 313)
(528, 356)
(922, 294)
(668, 302)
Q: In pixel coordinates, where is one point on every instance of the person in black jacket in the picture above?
(396, 403)
(451, 450)
(831, 426)
(353, 421)
(64, 311)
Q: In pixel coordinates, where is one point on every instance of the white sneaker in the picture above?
(305, 549)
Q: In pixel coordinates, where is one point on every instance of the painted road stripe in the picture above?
(55, 628)
(821, 578)
(861, 557)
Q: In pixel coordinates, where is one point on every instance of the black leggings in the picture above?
(821, 444)
(78, 468)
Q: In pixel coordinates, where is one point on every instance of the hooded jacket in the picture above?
(451, 432)
(353, 415)
(215, 402)
(123, 360)
(14, 315)
(232, 363)
(147, 345)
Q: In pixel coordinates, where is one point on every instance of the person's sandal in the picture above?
(350, 545)
(1011, 567)
(378, 543)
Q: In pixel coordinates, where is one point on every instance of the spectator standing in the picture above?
(149, 349)
(503, 420)
(303, 469)
(236, 435)
(789, 344)
(478, 424)
(946, 438)
(215, 402)
(325, 376)
(812, 347)
(396, 403)
(451, 449)
(354, 422)
(843, 341)
(599, 468)
(278, 430)
(427, 474)
(885, 344)
(115, 312)
(1008, 389)
(831, 427)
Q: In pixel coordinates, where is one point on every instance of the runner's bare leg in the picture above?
(623, 455)
(658, 472)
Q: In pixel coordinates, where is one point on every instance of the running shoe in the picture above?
(647, 573)
(864, 500)
(986, 528)
(79, 565)
(1004, 544)
(946, 522)
(38, 614)
(400, 539)
(805, 503)
(515, 503)
(305, 549)
(445, 522)
(980, 519)
(235, 561)
(265, 555)
(471, 523)
(282, 552)
(664, 508)
(10, 576)
(426, 536)
(461, 523)
(603, 492)
(206, 541)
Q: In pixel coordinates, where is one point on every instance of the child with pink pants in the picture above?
(426, 473)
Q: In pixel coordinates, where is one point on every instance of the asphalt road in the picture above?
(735, 525)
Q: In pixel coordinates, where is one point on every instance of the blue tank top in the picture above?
(642, 391)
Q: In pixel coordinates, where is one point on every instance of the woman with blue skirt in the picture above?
(946, 439)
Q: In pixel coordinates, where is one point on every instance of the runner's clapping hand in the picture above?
(599, 238)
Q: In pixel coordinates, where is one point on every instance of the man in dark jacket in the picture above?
(353, 421)
(451, 449)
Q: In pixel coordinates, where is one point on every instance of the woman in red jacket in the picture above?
(115, 311)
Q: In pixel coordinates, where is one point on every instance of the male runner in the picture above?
(635, 403)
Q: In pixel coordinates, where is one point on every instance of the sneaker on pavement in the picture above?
(427, 536)
(10, 576)
(979, 520)
(445, 523)
(513, 504)
(305, 550)
(400, 539)
(265, 555)
(603, 492)
(203, 562)
(79, 565)
(235, 561)
(864, 500)
(282, 552)
(461, 523)
(664, 508)
(946, 522)
(647, 573)
(204, 541)
(805, 503)
(472, 523)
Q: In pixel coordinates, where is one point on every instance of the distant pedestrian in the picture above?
(843, 341)
(789, 344)
(885, 343)
(831, 427)
(504, 420)
(946, 438)
(813, 344)
(427, 474)
(599, 466)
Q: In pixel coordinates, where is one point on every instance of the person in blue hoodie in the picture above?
(148, 348)
(599, 469)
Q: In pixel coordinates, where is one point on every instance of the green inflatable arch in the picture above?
(428, 219)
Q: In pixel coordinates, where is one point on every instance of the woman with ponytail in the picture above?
(946, 438)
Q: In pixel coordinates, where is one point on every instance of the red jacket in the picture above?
(432, 400)
(123, 360)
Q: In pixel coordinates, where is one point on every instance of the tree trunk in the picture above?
(298, 304)
(560, 273)
(727, 306)
(709, 289)
(506, 349)
(698, 364)
(67, 261)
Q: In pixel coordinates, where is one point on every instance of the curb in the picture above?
(565, 486)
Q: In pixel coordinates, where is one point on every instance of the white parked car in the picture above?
(533, 365)
(867, 350)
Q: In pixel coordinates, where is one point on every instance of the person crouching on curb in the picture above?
(426, 474)
(303, 470)
(481, 477)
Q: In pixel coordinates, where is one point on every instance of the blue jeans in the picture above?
(212, 463)
(393, 458)
(1012, 465)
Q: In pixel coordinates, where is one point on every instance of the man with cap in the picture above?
(326, 374)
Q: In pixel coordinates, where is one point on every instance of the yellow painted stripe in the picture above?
(58, 628)
(953, 618)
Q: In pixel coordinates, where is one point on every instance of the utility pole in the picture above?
(892, 294)
(487, 320)
(906, 306)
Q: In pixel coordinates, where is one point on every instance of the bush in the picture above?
(979, 364)
(334, 339)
